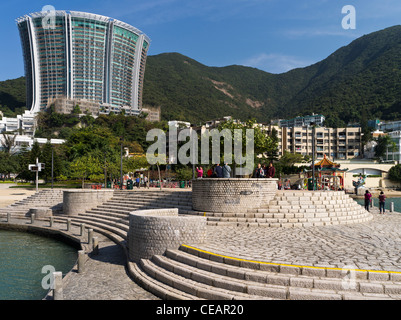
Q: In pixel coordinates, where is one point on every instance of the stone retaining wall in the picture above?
(40, 212)
(151, 232)
(231, 195)
(78, 201)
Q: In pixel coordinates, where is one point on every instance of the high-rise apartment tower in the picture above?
(82, 56)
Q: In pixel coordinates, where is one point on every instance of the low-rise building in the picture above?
(336, 143)
(20, 141)
(316, 119)
(22, 124)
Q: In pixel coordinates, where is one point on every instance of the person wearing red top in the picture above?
(271, 171)
(368, 199)
(382, 202)
(199, 171)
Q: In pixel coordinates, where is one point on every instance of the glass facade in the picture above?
(82, 56)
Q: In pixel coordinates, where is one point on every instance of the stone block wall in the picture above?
(78, 201)
(231, 195)
(151, 232)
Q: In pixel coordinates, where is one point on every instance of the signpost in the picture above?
(37, 168)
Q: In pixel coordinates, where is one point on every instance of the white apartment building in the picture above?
(24, 124)
(339, 143)
(389, 126)
(317, 119)
(27, 141)
(396, 154)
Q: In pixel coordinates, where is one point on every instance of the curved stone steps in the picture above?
(189, 286)
(148, 198)
(107, 213)
(159, 289)
(155, 203)
(275, 274)
(98, 225)
(118, 220)
(125, 207)
(297, 209)
(187, 272)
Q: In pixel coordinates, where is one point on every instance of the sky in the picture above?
(271, 35)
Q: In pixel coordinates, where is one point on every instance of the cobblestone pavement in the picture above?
(373, 245)
(105, 277)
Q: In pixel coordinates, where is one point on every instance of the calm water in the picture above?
(397, 203)
(22, 257)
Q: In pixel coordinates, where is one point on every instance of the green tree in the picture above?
(394, 173)
(384, 145)
(46, 158)
(86, 167)
(8, 164)
(264, 145)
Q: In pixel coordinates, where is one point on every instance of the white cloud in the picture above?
(317, 32)
(276, 63)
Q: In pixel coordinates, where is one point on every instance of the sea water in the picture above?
(397, 203)
(22, 257)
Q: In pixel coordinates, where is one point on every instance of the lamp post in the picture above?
(313, 155)
(52, 166)
(121, 167)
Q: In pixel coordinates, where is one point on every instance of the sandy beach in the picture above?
(10, 195)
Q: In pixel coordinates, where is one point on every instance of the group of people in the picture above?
(368, 201)
(217, 171)
(224, 171)
(265, 172)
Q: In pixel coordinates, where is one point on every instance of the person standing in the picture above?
(218, 171)
(138, 182)
(382, 202)
(259, 172)
(226, 171)
(271, 171)
(199, 171)
(368, 199)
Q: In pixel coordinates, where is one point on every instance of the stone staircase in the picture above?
(297, 209)
(47, 198)
(112, 217)
(191, 274)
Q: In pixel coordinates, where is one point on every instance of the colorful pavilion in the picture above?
(328, 175)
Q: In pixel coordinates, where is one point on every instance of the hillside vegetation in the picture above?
(357, 82)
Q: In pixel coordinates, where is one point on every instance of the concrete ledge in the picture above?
(151, 232)
(232, 194)
(78, 201)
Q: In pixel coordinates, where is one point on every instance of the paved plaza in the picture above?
(371, 245)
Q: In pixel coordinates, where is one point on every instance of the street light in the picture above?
(52, 165)
(313, 155)
(121, 167)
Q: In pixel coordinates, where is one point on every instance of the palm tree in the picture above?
(8, 142)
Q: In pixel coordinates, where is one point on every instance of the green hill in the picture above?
(12, 96)
(357, 82)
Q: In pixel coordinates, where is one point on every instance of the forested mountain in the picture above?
(357, 82)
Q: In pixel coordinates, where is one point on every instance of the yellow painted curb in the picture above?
(289, 265)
